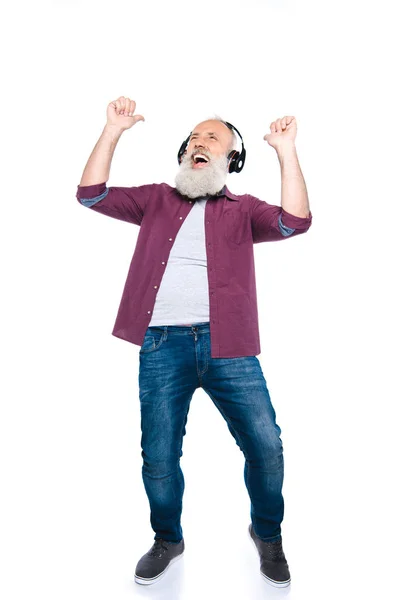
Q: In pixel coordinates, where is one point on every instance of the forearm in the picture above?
(98, 166)
(294, 197)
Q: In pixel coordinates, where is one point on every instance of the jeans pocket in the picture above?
(152, 341)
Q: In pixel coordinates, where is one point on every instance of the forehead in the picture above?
(212, 126)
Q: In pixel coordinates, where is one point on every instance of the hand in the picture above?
(120, 113)
(283, 132)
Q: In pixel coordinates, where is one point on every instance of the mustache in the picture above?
(187, 158)
(201, 150)
(215, 162)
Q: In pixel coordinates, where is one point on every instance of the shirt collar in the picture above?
(223, 192)
(227, 193)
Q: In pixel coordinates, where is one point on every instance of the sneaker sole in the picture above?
(278, 584)
(150, 580)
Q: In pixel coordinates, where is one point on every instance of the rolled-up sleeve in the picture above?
(271, 223)
(123, 203)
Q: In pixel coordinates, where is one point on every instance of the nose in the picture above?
(199, 144)
(200, 140)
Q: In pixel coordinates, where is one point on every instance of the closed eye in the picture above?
(194, 137)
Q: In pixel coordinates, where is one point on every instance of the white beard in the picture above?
(205, 181)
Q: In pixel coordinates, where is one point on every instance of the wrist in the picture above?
(286, 153)
(286, 148)
(112, 130)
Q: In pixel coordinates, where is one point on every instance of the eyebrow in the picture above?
(208, 132)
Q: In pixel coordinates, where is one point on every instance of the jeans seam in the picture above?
(182, 428)
(229, 421)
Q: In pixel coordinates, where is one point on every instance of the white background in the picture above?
(75, 516)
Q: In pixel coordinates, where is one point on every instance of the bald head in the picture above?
(213, 135)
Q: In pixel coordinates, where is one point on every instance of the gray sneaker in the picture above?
(153, 565)
(273, 564)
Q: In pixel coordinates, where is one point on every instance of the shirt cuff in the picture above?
(90, 194)
(292, 221)
(284, 229)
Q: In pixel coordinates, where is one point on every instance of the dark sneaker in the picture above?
(153, 565)
(273, 565)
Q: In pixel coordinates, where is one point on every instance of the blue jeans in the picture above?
(174, 361)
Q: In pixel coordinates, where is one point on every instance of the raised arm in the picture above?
(124, 203)
(293, 217)
(119, 118)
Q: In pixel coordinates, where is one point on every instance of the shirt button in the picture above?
(148, 312)
(190, 202)
(181, 217)
(170, 239)
(156, 286)
(163, 263)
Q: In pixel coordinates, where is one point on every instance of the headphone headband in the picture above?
(236, 159)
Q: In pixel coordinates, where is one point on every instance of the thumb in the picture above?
(137, 118)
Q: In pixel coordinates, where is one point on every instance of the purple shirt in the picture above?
(232, 225)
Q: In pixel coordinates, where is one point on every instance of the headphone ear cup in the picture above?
(182, 149)
(181, 152)
(239, 164)
(233, 158)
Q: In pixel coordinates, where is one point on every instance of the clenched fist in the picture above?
(120, 113)
(283, 132)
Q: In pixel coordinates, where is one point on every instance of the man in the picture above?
(190, 303)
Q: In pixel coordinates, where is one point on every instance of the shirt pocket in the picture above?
(237, 227)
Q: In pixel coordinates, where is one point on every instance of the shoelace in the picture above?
(156, 549)
(273, 550)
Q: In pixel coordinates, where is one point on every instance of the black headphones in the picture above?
(236, 159)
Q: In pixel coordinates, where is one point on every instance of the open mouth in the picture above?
(199, 160)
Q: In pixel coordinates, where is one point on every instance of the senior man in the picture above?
(190, 303)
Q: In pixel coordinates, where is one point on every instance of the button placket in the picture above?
(210, 259)
(163, 261)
